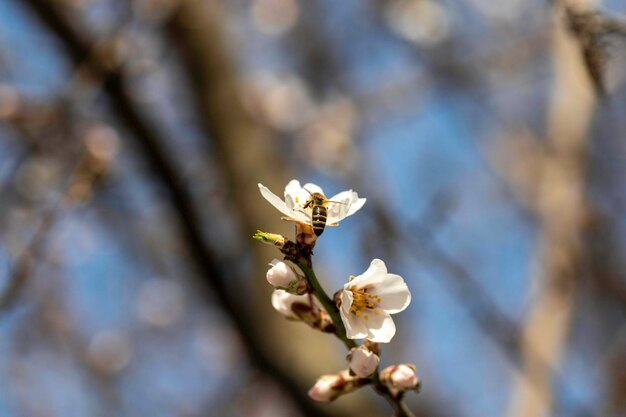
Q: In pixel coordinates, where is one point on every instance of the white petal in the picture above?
(394, 293)
(356, 205)
(356, 327)
(313, 188)
(373, 276)
(339, 205)
(346, 204)
(301, 216)
(348, 197)
(346, 299)
(275, 201)
(282, 301)
(292, 190)
(300, 200)
(381, 327)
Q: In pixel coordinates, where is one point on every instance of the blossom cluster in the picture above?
(361, 310)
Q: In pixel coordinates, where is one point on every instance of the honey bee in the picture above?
(319, 214)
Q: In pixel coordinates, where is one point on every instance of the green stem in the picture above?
(327, 303)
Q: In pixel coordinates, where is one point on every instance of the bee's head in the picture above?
(318, 198)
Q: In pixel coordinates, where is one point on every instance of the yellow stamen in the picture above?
(361, 301)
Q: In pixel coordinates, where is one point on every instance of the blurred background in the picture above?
(488, 137)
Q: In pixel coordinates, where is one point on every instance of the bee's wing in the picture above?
(337, 210)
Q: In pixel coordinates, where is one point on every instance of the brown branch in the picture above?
(591, 29)
(78, 47)
(588, 29)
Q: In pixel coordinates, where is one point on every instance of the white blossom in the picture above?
(363, 362)
(368, 300)
(287, 276)
(340, 205)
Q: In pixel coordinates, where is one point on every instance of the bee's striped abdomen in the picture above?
(319, 219)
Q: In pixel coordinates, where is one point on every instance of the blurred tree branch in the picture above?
(591, 27)
(562, 210)
(88, 171)
(78, 46)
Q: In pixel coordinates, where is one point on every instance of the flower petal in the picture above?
(274, 200)
(381, 327)
(394, 294)
(346, 298)
(301, 217)
(343, 205)
(356, 327)
(356, 205)
(282, 301)
(313, 188)
(292, 191)
(339, 205)
(373, 276)
(346, 197)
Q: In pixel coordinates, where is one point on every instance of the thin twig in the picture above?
(78, 186)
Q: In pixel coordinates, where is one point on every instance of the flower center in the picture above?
(362, 301)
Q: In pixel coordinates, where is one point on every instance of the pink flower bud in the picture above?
(284, 276)
(329, 387)
(304, 308)
(363, 362)
(325, 389)
(280, 274)
(400, 378)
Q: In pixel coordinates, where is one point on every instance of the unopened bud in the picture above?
(287, 276)
(270, 238)
(400, 378)
(362, 361)
(329, 387)
(305, 308)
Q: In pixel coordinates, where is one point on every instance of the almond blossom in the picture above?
(368, 300)
(340, 205)
(284, 275)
